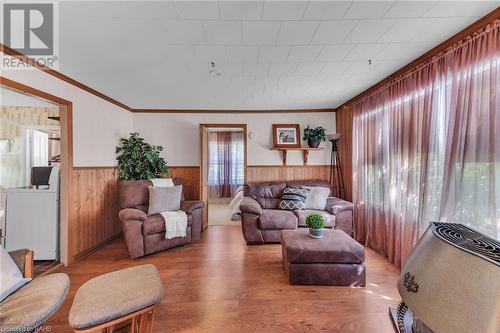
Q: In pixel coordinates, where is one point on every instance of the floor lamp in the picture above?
(336, 174)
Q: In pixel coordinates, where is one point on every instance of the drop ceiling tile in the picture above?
(241, 10)
(211, 53)
(407, 51)
(256, 69)
(192, 32)
(335, 67)
(334, 52)
(358, 67)
(333, 32)
(197, 9)
(297, 32)
(223, 32)
(368, 9)
(282, 69)
(327, 10)
(309, 68)
(179, 54)
(230, 69)
(284, 10)
(242, 54)
(365, 51)
(304, 53)
(289, 81)
(405, 30)
(403, 9)
(461, 8)
(274, 54)
(369, 31)
(260, 33)
(153, 9)
(443, 28)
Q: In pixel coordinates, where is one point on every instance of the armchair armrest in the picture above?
(189, 206)
(249, 205)
(129, 214)
(24, 260)
(336, 206)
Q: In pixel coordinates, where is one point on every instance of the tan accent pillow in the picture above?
(164, 199)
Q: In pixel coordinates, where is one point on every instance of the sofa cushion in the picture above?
(335, 247)
(302, 215)
(34, 303)
(272, 219)
(267, 194)
(155, 224)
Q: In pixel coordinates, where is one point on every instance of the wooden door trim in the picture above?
(66, 225)
(202, 127)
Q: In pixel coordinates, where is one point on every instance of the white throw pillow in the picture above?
(11, 277)
(162, 182)
(317, 197)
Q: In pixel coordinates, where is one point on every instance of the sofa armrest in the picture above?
(24, 260)
(336, 206)
(189, 206)
(130, 214)
(249, 205)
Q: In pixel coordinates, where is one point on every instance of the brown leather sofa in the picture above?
(262, 221)
(146, 234)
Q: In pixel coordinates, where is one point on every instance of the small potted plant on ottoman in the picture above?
(315, 222)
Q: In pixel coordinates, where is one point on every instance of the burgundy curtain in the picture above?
(226, 163)
(426, 147)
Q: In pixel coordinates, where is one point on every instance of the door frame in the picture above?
(203, 164)
(66, 227)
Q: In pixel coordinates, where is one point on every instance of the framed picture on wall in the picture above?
(286, 135)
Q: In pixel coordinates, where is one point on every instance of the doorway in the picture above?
(223, 149)
(37, 138)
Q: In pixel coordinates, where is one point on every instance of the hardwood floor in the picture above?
(220, 284)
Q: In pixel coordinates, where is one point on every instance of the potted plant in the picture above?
(315, 222)
(314, 136)
(138, 159)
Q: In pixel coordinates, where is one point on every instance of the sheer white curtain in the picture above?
(427, 147)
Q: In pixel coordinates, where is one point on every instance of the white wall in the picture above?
(178, 134)
(97, 123)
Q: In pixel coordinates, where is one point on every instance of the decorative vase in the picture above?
(313, 144)
(316, 233)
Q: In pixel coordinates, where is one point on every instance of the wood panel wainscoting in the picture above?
(94, 208)
(266, 173)
(190, 178)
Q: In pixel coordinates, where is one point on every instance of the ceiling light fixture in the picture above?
(213, 70)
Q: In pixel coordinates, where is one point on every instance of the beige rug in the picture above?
(220, 214)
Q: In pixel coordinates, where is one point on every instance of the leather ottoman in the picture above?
(335, 260)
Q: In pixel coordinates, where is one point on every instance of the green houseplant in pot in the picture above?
(138, 159)
(315, 222)
(314, 136)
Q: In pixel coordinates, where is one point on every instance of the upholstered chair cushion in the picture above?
(31, 306)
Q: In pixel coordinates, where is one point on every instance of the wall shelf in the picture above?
(305, 152)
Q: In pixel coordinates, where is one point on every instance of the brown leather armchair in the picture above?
(146, 234)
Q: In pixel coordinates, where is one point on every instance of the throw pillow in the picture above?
(317, 197)
(293, 198)
(164, 199)
(11, 277)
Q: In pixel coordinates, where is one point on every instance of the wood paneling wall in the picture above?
(265, 173)
(94, 208)
(343, 121)
(190, 178)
